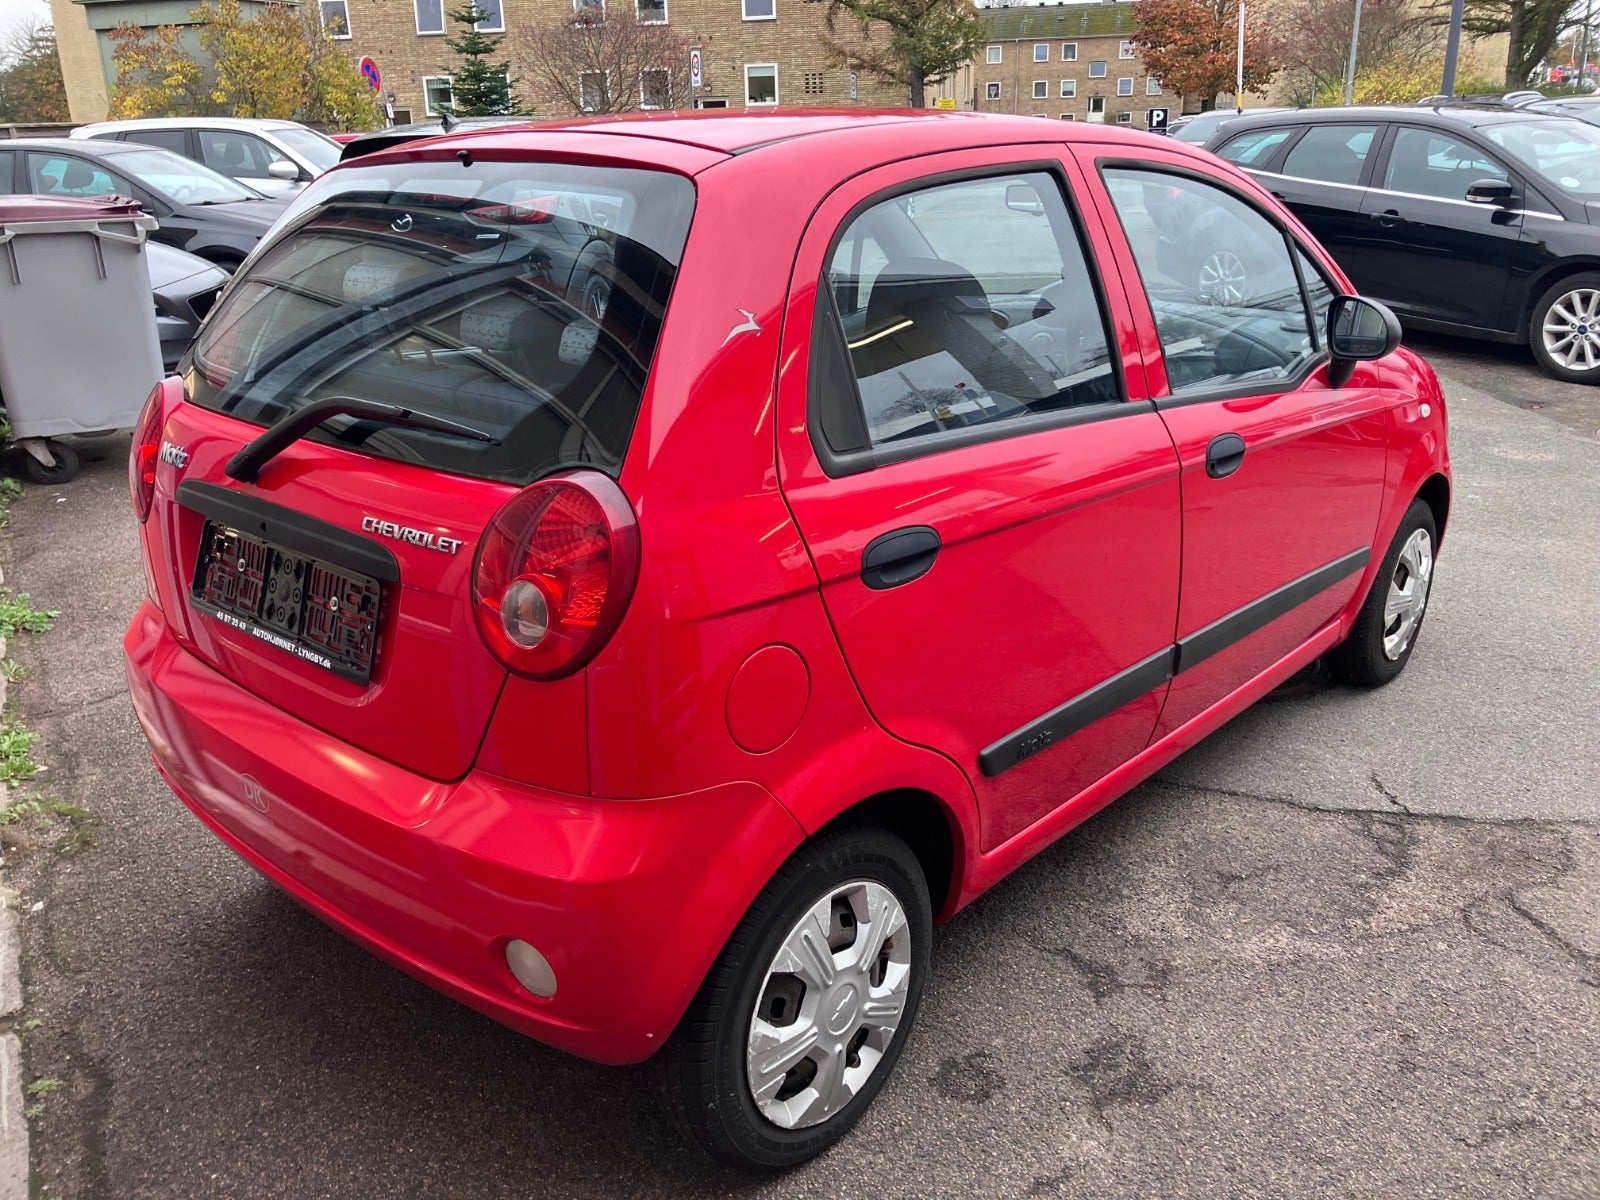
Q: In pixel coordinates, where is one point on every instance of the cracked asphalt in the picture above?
(1350, 947)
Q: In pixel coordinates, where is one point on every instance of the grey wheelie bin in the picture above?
(78, 345)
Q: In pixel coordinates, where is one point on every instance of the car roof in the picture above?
(731, 132)
(241, 123)
(1471, 116)
(88, 149)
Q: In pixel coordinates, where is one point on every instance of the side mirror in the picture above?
(285, 170)
(1020, 197)
(1359, 330)
(1491, 191)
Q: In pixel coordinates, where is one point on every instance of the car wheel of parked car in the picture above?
(1386, 629)
(804, 1014)
(1565, 330)
(1222, 279)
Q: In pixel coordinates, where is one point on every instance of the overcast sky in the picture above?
(12, 11)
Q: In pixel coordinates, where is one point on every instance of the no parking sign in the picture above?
(369, 72)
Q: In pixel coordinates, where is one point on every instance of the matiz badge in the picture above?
(405, 533)
(174, 456)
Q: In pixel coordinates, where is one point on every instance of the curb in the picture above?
(13, 1124)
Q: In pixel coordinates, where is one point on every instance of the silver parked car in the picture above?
(185, 286)
(275, 157)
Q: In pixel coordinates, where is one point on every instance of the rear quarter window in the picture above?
(524, 300)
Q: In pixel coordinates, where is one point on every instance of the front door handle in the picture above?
(1389, 218)
(899, 557)
(1224, 455)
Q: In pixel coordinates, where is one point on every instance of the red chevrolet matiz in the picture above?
(637, 575)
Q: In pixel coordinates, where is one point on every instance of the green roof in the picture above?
(1059, 21)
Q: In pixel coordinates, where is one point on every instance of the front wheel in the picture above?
(1565, 329)
(805, 1013)
(1385, 632)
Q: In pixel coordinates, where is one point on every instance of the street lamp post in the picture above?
(1350, 67)
(1238, 82)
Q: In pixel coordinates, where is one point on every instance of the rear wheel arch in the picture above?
(924, 823)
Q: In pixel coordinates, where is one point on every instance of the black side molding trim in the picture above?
(1241, 623)
(290, 529)
(1081, 711)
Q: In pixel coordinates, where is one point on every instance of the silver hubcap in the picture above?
(1572, 330)
(829, 1007)
(1222, 278)
(1408, 594)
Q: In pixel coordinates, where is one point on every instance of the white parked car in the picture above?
(275, 157)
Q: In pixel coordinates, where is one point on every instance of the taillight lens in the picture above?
(554, 573)
(146, 450)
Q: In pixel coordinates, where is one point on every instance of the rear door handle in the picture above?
(1224, 455)
(1388, 218)
(892, 559)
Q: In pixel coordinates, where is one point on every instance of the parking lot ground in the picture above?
(1350, 947)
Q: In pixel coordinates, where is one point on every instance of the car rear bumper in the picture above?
(630, 901)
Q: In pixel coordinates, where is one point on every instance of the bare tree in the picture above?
(1315, 41)
(595, 62)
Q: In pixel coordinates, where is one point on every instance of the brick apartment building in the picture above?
(1073, 61)
(755, 53)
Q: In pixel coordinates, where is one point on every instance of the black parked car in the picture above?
(1585, 108)
(199, 210)
(396, 135)
(1475, 221)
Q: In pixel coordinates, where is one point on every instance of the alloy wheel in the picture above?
(1408, 593)
(1222, 278)
(830, 1005)
(1572, 330)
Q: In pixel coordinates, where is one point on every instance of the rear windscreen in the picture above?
(522, 300)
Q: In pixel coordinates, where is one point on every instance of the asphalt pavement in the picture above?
(1350, 947)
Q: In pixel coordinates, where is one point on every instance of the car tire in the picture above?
(710, 1058)
(1386, 629)
(1564, 330)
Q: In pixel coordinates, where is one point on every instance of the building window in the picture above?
(1097, 104)
(651, 12)
(1068, 117)
(1097, 70)
(1125, 86)
(655, 88)
(1125, 118)
(1069, 51)
(991, 91)
(436, 95)
(1041, 52)
(1152, 86)
(1126, 49)
(812, 83)
(430, 16)
(592, 10)
(760, 84)
(994, 53)
(494, 20)
(760, 10)
(1069, 89)
(1041, 89)
(593, 87)
(336, 18)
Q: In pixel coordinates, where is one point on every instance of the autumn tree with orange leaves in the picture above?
(1191, 46)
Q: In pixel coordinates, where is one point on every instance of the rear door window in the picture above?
(7, 167)
(1331, 153)
(1256, 148)
(969, 304)
(523, 300)
(176, 140)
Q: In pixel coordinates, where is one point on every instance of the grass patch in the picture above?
(27, 824)
(17, 614)
(37, 1091)
(14, 671)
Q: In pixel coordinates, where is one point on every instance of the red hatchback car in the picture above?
(636, 576)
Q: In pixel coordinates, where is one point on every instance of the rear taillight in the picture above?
(554, 573)
(146, 450)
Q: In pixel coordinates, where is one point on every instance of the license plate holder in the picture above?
(319, 612)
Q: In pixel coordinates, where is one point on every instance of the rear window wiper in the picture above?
(246, 465)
